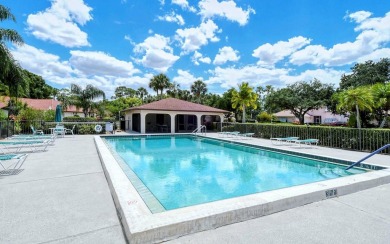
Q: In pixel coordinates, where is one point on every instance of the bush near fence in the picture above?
(335, 137)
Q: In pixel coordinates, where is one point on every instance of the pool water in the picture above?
(185, 171)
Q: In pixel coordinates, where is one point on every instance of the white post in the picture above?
(173, 115)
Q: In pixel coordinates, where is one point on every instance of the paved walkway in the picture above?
(62, 196)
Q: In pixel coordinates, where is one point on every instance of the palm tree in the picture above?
(199, 89)
(355, 99)
(84, 99)
(159, 83)
(381, 93)
(244, 98)
(7, 62)
(142, 92)
(173, 90)
(64, 97)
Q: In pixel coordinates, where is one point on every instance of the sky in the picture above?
(221, 42)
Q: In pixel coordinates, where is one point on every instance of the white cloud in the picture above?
(59, 23)
(191, 39)
(39, 62)
(231, 77)
(99, 63)
(376, 55)
(227, 9)
(359, 16)
(185, 79)
(226, 54)
(328, 76)
(172, 17)
(374, 32)
(95, 68)
(270, 54)
(198, 57)
(184, 5)
(158, 55)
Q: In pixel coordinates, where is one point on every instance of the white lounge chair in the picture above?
(36, 132)
(246, 135)
(308, 142)
(283, 140)
(15, 146)
(70, 130)
(11, 163)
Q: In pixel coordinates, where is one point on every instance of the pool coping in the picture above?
(141, 226)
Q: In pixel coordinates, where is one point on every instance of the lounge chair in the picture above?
(70, 130)
(16, 161)
(15, 146)
(309, 142)
(51, 138)
(247, 135)
(282, 140)
(36, 132)
(59, 130)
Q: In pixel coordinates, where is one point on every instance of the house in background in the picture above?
(42, 104)
(315, 116)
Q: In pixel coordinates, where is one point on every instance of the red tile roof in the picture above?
(173, 104)
(39, 104)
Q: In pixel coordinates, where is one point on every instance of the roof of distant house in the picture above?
(173, 104)
(39, 104)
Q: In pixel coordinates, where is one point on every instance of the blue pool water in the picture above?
(185, 171)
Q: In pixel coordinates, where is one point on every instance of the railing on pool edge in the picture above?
(200, 129)
(369, 156)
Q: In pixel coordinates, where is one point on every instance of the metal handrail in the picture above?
(199, 129)
(370, 155)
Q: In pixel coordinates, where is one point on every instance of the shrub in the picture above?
(264, 117)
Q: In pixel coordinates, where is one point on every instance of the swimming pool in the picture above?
(145, 220)
(174, 172)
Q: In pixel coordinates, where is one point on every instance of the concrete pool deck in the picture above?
(62, 196)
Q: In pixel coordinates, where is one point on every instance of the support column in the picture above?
(142, 121)
(173, 120)
(199, 120)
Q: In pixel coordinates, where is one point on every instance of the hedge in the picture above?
(336, 137)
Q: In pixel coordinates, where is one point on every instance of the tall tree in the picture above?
(244, 98)
(381, 94)
(368, 73)
(199, 89)
(10, 71)
(84, 98)
(141, 93)
(355, 100)
(301, 97)
(123, 91)
(159, 83)
(64, 96)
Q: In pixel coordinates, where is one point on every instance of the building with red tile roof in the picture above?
(42, 104)
(172, 115)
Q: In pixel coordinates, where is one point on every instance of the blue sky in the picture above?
(222, 42)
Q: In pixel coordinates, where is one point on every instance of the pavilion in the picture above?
(171, 115)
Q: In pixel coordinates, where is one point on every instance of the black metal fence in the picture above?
(10, 127)
(335, 137)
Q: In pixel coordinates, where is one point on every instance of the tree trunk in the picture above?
(301, 119)
(383, 121)
(243, 113)
(359, 125)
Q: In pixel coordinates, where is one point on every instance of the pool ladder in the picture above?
(200, 129)
(369, 156)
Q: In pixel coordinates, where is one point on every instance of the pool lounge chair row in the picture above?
(293, 140)
(236, 134)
